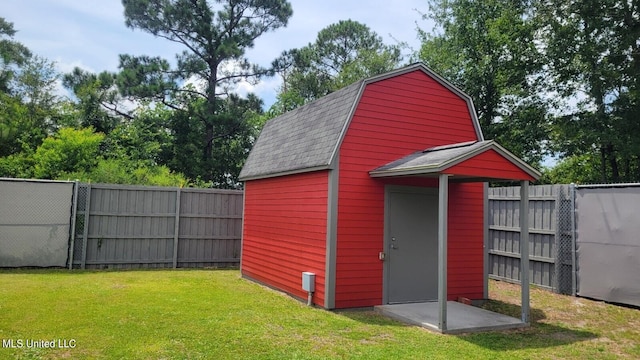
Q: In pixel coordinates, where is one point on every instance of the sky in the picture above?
(91, 33)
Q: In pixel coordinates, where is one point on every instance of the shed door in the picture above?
(412, 246)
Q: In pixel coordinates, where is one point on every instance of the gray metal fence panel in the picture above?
(35, 218)
(504, 236)
(157, 227)
(608, 247)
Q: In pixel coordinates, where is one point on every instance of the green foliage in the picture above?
(342, 53)
(487, 49)
(594, 58)
(12, 53)
(18, 165)
(236, 126)
(216, 36)
(43, 136)
(125, 171)
(145, 140)
(97, 99)
(12, 110)
(67, 151)
(31, 110)
(578, 169)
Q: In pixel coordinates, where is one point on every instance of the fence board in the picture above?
(148, 227)
(544, 218)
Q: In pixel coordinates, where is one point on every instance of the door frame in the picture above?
(388, 190)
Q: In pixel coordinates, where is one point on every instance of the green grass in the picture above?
(214, 314)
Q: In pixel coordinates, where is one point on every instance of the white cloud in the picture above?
(67, 67)
(91, 34)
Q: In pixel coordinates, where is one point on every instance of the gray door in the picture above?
(412, 246)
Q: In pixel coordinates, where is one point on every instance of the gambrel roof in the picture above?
(308, 138)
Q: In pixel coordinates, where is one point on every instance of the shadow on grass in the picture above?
(538, 335)
(368, 316)
(535, 337)
(512, 310)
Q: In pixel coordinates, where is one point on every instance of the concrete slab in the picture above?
(461, 318)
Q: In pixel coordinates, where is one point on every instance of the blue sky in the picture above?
(91, 33)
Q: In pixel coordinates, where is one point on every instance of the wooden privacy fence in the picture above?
(155, 227)
(551, 236)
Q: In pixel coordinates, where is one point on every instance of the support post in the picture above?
(85, 230)
(485, 246)
(574, 262)
(524, 249)
(74, 214)
(176, 230)
(443, 200)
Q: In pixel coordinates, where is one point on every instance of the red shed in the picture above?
(376, 188)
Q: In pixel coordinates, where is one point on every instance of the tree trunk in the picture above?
(603, 164)
(627, 177)
(613, 161)
(211, 111)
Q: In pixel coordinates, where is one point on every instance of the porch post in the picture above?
(443, 199)
(524, 249)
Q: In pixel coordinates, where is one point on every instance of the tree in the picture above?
(342, 53)
(236, 118)
(12, 110)
(18, 87)
(144, 140)
(215, 42)
(594, 60)
(35, 84)
(488, 49)
(578, 169)
(31, 110)
(12, 53)
(98, 100)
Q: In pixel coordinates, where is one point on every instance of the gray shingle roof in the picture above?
(304, 138)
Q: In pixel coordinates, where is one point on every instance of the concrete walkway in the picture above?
(461, 318)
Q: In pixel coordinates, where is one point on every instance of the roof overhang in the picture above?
(457, 160)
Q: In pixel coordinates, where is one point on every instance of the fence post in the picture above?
(524, 249)
(574, 267)
(558, 256)
(485, 245)
(74, 213)
(85, 231)
(176, 230)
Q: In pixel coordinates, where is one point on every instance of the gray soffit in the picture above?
(308, 138)
(436, 160)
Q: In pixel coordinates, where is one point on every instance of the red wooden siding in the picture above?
(490, 164)
(465, 241)
(395, 117)
(285, 226)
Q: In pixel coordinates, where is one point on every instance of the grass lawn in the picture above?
(214, 314)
